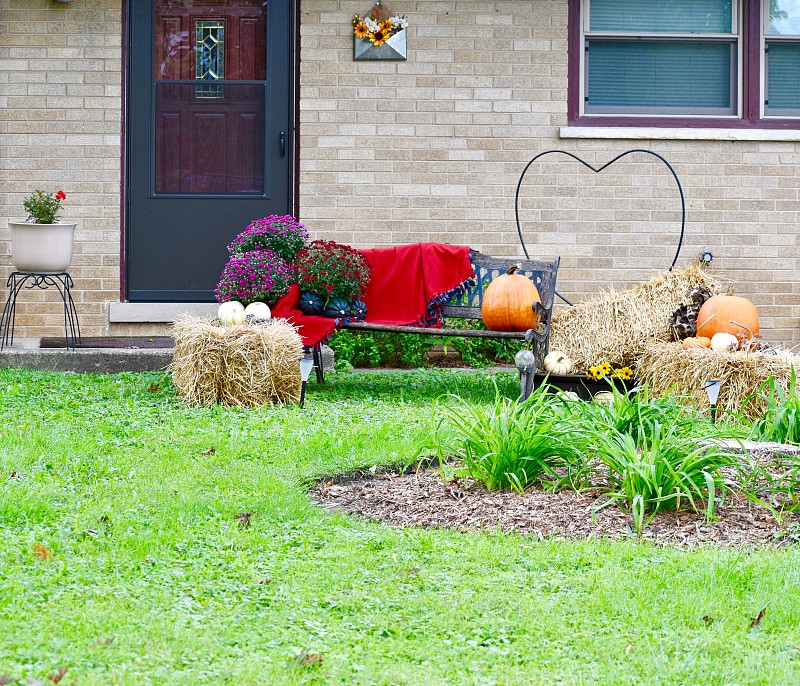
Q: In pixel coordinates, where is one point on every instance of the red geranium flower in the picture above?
(61, 195)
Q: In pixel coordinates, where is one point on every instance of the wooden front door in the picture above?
(209, 135)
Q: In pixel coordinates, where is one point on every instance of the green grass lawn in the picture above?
(122, 559)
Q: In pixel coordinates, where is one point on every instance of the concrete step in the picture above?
(26, 353)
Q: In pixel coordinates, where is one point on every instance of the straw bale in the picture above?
(668, 368)
(262, 365)
(618, 325)
(246, 365)
(196, 366)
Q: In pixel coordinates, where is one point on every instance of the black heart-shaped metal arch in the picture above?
(597, 170)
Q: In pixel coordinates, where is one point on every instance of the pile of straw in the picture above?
(242, 365)
(617, 326)
(668, 368)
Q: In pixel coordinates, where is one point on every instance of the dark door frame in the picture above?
(293, 142)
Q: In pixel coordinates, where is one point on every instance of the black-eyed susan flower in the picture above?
(624, 373)
(594, 373)
(361, 30)
(605, 368)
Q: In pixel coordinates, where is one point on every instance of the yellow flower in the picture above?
(387, 26)
(379, 37)
(605, 368)
(594, 373)
(361, 30)
(624, 373)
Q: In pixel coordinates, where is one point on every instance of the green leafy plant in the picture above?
(43, 208)
(636, 413)
(509, 446)
(781, 420)
(479, 352)
(371, 349)
(662, 468)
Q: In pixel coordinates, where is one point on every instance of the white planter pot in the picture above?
(41, 247)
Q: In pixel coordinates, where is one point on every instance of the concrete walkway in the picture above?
(26, 353)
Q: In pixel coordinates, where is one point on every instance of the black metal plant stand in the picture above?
(62, 281)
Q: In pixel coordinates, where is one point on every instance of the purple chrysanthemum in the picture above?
(281, 234)
(257, 275)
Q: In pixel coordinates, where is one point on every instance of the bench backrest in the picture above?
(542, 273)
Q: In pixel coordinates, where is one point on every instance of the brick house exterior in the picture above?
(428, 149)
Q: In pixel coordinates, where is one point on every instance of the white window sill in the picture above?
(680, 134)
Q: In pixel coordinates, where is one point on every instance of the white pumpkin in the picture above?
(556, 362)
(604, 397)
(231, 313)
(258, 310)
(724, 342)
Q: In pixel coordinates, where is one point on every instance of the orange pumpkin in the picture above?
(698, 342)
(508, 303)
(727, 314)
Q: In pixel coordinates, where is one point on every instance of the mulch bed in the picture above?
(421, 498)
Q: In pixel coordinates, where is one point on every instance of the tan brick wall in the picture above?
(396, 152)
(60, 95)
(432, 148)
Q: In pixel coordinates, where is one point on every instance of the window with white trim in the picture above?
(731, 61)
(781, 77)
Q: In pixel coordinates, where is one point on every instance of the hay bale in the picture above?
(618, 325)
(196, 366)
(668, 368)
(245, 365)
(262, 365)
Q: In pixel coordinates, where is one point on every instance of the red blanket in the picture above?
(409, 284)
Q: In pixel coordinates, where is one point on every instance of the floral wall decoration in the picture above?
(379, 35)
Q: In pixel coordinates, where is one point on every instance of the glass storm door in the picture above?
(209, 129)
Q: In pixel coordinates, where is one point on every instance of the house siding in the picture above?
(428, 149)
(60, 107)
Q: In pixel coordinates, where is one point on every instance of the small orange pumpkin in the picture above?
(508, 303)
(727, 314)
(696, 342)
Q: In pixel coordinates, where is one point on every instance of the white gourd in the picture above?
(231, 313)
(724, 342)
(556, 362)
(258, 310)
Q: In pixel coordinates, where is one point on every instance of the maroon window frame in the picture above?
(750, 84)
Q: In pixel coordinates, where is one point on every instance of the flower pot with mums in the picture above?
(337, 274)
(281, 234)
(42, 243)
(254, 276)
